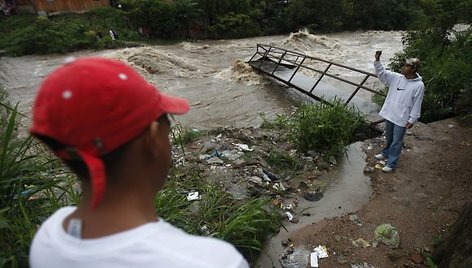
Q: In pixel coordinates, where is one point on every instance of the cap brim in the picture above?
(174, 105)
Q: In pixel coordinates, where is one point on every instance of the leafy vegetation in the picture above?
(325, 128)
(319, 127)
(26, 34)
(29, 179)
(244, 224)
(446, 54)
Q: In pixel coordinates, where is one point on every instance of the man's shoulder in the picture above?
(202, 251)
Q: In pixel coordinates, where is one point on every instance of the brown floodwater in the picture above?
(213, 75)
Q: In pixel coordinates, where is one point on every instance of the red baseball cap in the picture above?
(93, 106)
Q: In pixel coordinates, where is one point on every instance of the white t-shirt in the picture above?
(156, 244)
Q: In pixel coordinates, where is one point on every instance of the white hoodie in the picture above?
(404, 98)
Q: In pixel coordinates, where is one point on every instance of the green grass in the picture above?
(245, 224)
(29, 180)
(282, 160)
(322, 128)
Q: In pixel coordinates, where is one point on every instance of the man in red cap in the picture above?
(401, 108)
(111, 128)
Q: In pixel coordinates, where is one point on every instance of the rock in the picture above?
(356, 219)
(322, 165)
(303, 186)
(256, 180)
(296, 259)
(210, 146)
(361, 243)
(313, 195)
(215, 160)
(368, 170)
(416, 257)
(388, 235)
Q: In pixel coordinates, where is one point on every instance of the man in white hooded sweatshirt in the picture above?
(401, 108)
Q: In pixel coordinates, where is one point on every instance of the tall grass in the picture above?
(245, 224)
(32, 186)
(325, 129)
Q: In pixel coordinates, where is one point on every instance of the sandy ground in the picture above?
(421, 199)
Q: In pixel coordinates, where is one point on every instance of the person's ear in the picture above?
(152, 138)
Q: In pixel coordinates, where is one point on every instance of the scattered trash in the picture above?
(232, 155)
(370, 147)
(265, 177)
(294, 257)
(288, 207)
(451, 125)
(193, 196)
(271, 176)
(387, 234)
(289, 215)
(362, 265)
(279, 187)
(378, 166)
(361, 243)
(204, 229)
(314, 259)
(243, 147)
(320, 252)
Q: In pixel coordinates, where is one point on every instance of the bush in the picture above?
(235, 26)
(324, 128)
(65, 33)
(446, 71)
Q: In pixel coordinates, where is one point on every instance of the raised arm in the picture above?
(384, 75)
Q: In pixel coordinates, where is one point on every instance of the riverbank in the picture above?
(421, 200)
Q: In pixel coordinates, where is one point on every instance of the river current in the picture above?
(221, 87)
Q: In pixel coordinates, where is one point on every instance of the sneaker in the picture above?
(387, 169)
(379, 157)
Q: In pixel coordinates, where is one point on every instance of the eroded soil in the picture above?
(421, 199)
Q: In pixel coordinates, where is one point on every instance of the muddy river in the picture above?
(213, 75)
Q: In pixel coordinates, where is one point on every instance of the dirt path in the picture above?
(421, 200)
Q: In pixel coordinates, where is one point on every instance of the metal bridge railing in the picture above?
(296, 60)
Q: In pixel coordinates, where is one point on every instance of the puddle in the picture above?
(348, 191)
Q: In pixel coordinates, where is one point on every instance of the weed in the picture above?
(182, 135)
(244, 224)
(29, 188)
(326, 129)
(282, 160)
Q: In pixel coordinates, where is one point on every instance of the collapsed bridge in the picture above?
(319, 79)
